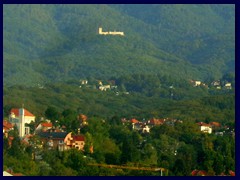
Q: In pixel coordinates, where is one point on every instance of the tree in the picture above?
(58, 169)
(52, 114)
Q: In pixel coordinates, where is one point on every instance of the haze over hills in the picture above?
(49, 43)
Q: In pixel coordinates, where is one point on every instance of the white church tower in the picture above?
(21, 122)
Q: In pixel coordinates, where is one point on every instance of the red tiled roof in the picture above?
(232, 173)
(134, 121)
(7, 124)
(78, 137)
(46, 124)
(198, 173)
(202, 124)
(16, 112)
(216, 124)
(82, 117)
(156, 121)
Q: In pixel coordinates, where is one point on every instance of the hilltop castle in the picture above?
(110, 32)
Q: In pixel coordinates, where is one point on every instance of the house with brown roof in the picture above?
(215, 124)
(83, 119)
(153, 122)
(134, 121)
(75, 141)
(62, 140)
(204, 127)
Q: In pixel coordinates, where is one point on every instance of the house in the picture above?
(84, 82)
(153, 122)
(134, 121)
(228, 86)
(20, 117)
(44, 126)
(196, 83)
(216, 83)
(83, 119)
(215, 125)
(75, 141)
(7, 126)
(104, 87)
(206, 128)
(62, 140)
(137, 126)
(145, 129)
(54, 140)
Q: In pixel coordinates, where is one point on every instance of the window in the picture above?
(27, 130)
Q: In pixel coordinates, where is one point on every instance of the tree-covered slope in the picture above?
(48, 43)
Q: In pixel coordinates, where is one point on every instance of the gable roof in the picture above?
(134, 121)
(203, 124)
(216, 124)
(7, 124)
(46, 124)
(16, 112)
(156, 121)
(78, 137)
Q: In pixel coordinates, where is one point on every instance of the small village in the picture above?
(56, 137)
(111, 85)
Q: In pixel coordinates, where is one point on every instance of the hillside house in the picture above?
(228, 86)
(84, 82)
(153, 122)
(145, 129)
(62, 140)
(205, 128)
(83, 119)
(215, 125)
(104, 87)
(75, 141)
(54, 140)
(197, 83)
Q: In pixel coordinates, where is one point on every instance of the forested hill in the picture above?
(49, 43)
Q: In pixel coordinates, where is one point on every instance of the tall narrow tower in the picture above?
(99, 30)
(21, 122)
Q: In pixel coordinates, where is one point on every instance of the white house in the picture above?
(104, 87)
(228, 85)
(206, 128)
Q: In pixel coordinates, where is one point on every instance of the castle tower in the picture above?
(99, 30)
(21, 122)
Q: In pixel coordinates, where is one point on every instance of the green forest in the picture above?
(56, 43)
